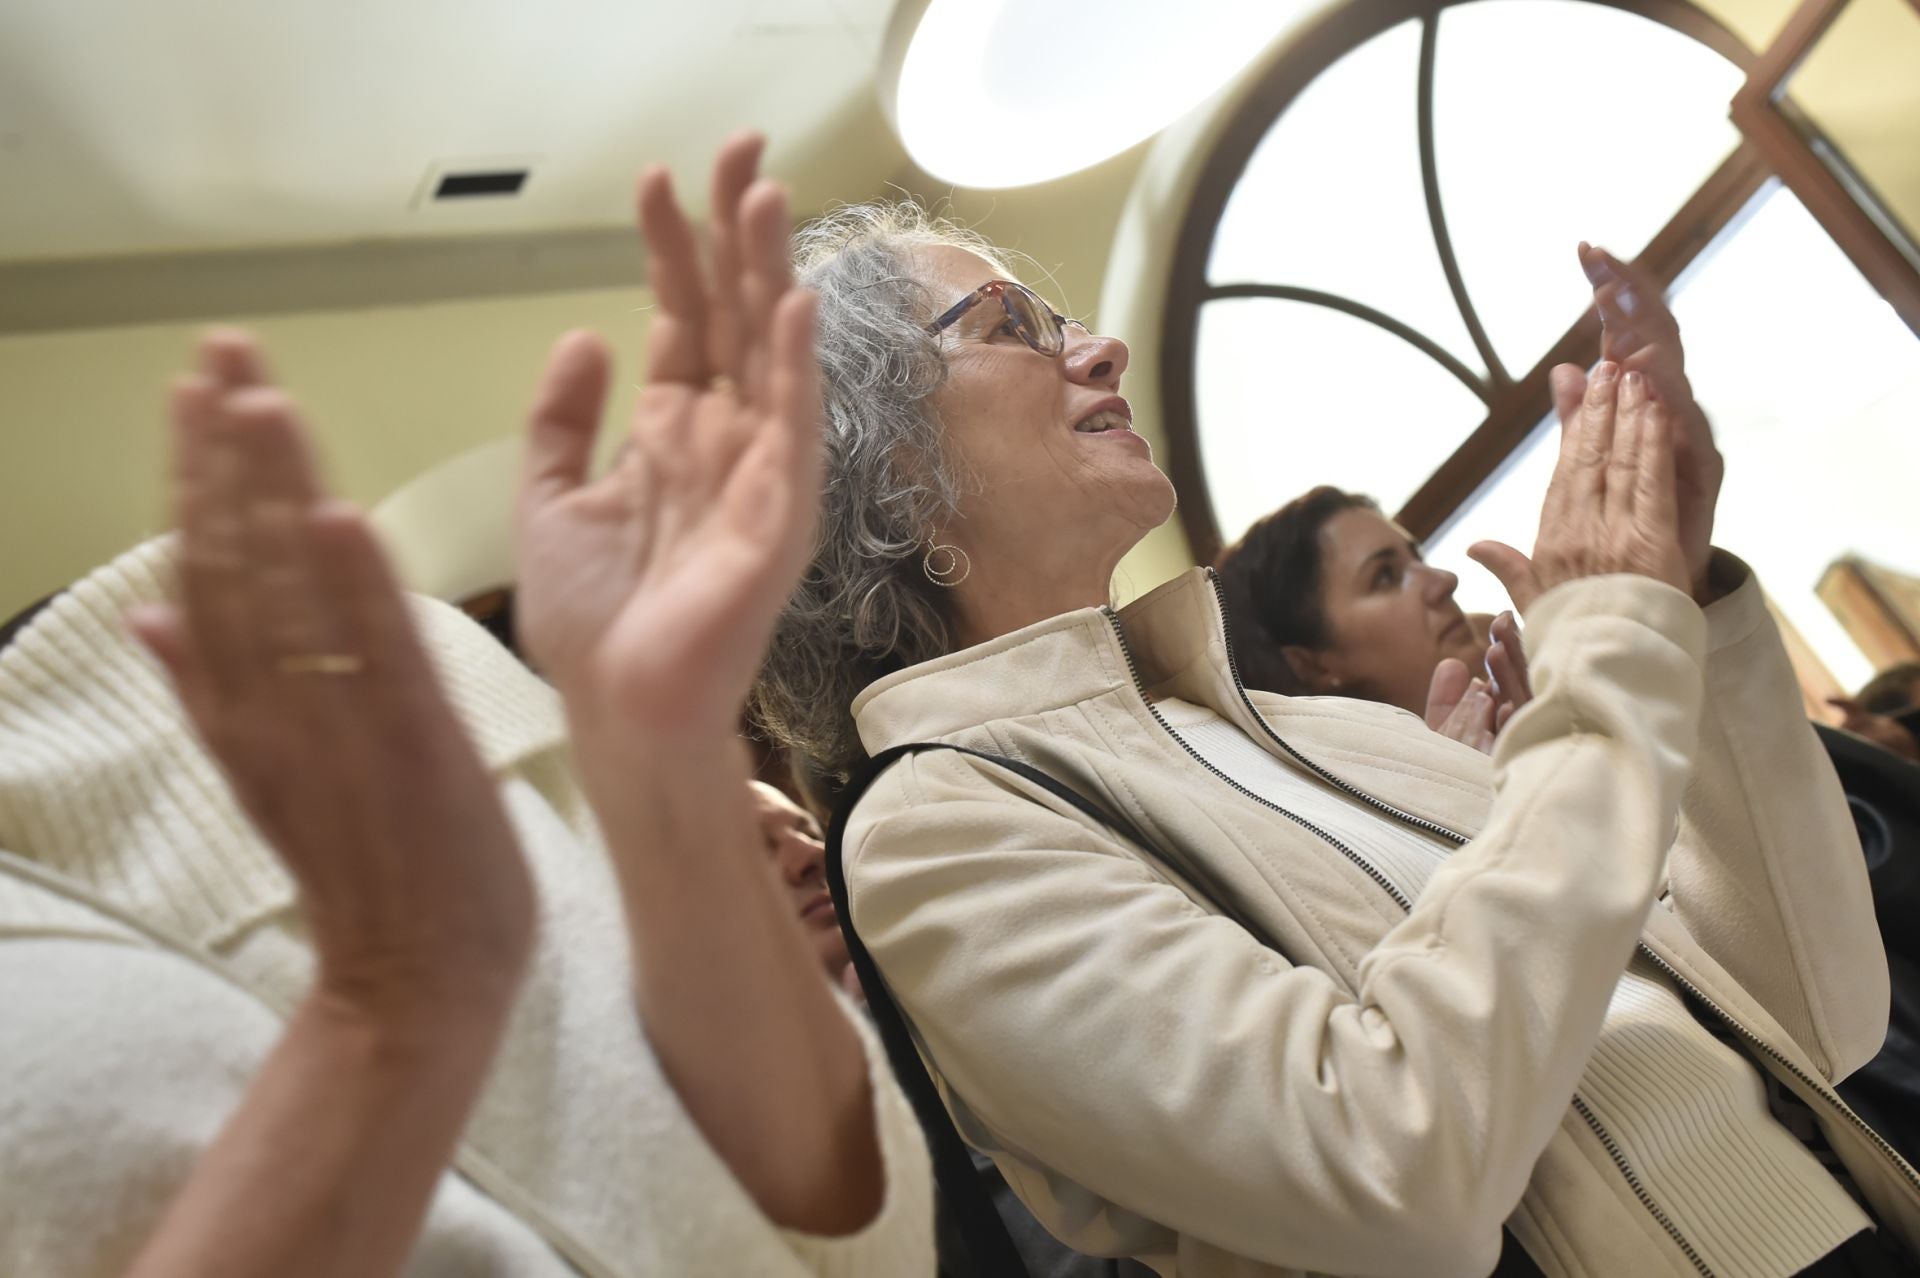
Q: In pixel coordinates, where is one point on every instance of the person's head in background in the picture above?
(1329, 597)
(1887, 710)
(799, 855)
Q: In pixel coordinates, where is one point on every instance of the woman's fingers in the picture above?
(766, 277)
(278, 485)
(1591, 446)
(231, 359)
(728, 328)
(1636, 296)
(1586, 434)
(162, 630)
(1569, 384)
(564, 420)
(1656, 503)
(212, 561)
(677, 337)
(1472, 720)
(1625, 454)
(357, 583)
(1450, 681)
(1514, 570)
(1507, 662)
(793, 398)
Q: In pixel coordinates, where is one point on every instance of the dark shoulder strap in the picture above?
(992, 1251)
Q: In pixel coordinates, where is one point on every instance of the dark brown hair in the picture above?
(1892, 690)
(1271, 578)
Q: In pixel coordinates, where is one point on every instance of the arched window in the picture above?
(1378, 269)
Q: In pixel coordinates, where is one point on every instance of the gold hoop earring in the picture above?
(952, 572)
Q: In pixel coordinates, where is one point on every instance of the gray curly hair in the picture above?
(864, 607)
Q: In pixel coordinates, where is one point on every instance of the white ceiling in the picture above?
(165, 126)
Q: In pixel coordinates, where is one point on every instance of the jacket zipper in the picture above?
(1639, 1190)
(1580, 1106)
(1133, 670)
(1347, 787)
(1817, 1086)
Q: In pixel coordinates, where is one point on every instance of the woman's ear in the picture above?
(1308, 670)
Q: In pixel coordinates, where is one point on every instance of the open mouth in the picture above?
(1104, 421)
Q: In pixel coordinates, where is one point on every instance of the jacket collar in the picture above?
(1174, 642)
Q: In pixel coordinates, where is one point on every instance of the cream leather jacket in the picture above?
(1390, 1087)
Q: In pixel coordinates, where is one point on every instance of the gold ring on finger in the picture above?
(321, 663)
(724, 384)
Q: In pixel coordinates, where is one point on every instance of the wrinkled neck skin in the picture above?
(1016, 582)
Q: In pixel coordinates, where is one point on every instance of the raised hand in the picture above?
(1507, 666)
(1612, 505)
(1640, 335)
(1463, 706)
(1473, 710)
(292, 650)
(294, 656)
(648, 595)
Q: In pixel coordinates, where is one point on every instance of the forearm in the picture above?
(1273, 1111)
(1767, 873)
(731, 994)
(329, 1164)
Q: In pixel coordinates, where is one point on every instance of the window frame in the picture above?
(1516, 402)
(1844, 210)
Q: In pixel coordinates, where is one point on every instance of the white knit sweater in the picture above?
(149, 948)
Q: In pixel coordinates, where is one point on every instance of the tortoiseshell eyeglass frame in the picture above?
(1048, 344)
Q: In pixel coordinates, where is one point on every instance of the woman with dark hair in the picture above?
(1330, 597)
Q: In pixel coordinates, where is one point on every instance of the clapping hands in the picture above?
(648, 594)
(292, 650)
(1640, 335)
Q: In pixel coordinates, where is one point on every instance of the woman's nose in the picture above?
(801, 859)
(1440, 584)
(1093, 360)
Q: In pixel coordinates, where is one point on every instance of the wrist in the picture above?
(402, 1035)
(1720, 577)
(412, 1004)
(650, 788)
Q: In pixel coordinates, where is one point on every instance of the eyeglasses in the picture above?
(1036, 323)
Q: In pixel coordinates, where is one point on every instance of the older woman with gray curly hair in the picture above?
(1237, 983)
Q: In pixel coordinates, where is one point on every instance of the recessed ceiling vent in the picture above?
(468, 186)
(470, 180)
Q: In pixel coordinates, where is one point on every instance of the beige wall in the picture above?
(391, 393)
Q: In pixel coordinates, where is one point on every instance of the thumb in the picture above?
(1569, 382)
(564, 419)
(1513, 569)
(163, 631)
(1450, 683)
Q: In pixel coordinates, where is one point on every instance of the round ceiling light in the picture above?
(999, 93)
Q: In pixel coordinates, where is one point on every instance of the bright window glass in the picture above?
(1317, 397)
(1332, 198)
(1557, 121)
(1813, 386)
